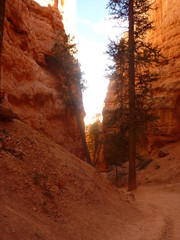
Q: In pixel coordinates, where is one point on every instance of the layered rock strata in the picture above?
(166, 90)
(28, 87)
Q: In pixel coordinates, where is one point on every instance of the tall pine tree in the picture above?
(133, 57)
(63, 60)
(132, 126)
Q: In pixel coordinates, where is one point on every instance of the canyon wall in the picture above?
(28, 87)
(166, 91)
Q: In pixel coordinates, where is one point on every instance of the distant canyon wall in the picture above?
(28, 87)
(166, 91)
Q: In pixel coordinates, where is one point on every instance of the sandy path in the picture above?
(159, 210)
(163, 205)
(49, 194)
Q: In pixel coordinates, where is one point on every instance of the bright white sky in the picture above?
(92, 31)
(86, 18)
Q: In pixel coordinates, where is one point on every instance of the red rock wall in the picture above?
(28, 87)
(167, 89)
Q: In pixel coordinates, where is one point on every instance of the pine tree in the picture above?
(94, 141)
(132, 126)
(133, 59)
(63, 59)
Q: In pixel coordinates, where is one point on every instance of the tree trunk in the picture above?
(94, 157)
(132, 144)
(97, 158)
(2, 13)
(79, 122)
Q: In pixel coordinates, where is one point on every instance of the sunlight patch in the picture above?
(46, 3)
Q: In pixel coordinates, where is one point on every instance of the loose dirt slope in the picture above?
(48, 193)
(162, 169)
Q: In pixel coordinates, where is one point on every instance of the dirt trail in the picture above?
(47, 193)
(164, 204)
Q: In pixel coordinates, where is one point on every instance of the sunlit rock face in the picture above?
(166, 90)
(29, 88)
(68, 11)
(53, 3)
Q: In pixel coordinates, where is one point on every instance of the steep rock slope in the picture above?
(166, 90)
(48, 193)
(28, 87)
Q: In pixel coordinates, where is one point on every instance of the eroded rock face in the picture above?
(28, 87)
(166, 90)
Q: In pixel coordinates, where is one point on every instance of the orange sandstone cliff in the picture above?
(29, 89)
(166, 90)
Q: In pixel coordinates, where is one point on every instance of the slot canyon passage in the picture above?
(48, 190)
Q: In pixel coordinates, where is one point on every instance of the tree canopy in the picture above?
(134, 58)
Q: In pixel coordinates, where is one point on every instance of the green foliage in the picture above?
(64, 59)
(117, 148)
(94, 141)
(147, 58)
(65, 64)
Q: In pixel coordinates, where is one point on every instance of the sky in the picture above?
(87, 20)
(92, 31)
